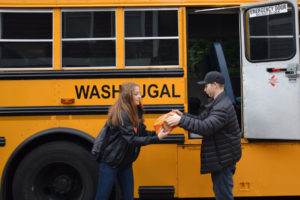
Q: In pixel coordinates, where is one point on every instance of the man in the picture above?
(218, 124)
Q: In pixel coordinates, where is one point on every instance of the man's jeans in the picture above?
(107, 177)
(223, 183)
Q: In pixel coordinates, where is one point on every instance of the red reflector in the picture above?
(275, 70)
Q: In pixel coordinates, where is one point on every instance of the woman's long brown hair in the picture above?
(125, 103)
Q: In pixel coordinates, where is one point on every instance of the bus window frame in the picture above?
(153, 38)
(88, 39)
(246, 35)
(30, 10)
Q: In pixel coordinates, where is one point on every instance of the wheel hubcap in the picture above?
(58, 181)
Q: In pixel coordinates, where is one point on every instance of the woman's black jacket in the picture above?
(218, 124)
(124, 144)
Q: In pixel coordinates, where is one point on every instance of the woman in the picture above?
(127, 133)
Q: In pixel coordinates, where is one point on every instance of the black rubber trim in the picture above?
(173, 139)
(53, 110)
(86, 74)
(2, 141)
(163, 108)
(79, 110)
(156, 192)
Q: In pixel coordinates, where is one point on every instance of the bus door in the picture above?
(270, 64)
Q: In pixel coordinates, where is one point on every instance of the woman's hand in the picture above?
(161, 135)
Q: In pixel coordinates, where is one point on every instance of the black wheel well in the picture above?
(38, 139)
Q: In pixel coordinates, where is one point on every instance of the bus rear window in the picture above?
(270, 32)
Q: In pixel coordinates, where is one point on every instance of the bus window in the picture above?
(88, 39)
(151, 38)
(25, 39)
(270, 36)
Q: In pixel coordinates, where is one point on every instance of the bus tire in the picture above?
(56, 170)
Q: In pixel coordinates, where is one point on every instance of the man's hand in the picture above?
(161, 135)
(173, 120)
(177, 112)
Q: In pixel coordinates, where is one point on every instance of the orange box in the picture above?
(160, 123)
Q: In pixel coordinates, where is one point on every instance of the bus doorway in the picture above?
(213, 44)
(210, 35)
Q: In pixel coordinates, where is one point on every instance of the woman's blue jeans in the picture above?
(223, 183)
(107, 177)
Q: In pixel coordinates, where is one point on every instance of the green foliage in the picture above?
(199, 52)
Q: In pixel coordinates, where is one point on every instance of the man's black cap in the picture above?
(212, 77)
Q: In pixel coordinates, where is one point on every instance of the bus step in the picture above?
(156, 192)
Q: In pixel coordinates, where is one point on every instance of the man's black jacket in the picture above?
(124, 144)
(218, 124)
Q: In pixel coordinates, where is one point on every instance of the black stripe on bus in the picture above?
(2, 141)
(173, 139)
(79, 110)
(85, 74)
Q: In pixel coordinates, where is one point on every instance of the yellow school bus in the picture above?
(61, 65)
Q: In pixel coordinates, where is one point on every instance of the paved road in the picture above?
(253, 198)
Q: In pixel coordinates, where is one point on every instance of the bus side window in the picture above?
(151, 37)
(25, 39)
(88, 38)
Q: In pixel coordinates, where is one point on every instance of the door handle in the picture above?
(290, 71)
(276, 69)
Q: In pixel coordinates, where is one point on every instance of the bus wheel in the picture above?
(56, 170)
